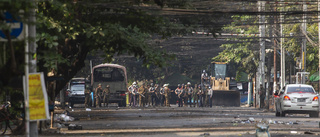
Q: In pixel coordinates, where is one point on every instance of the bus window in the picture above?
(108, 74)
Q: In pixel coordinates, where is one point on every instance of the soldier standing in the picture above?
(98, 95)
(195, 95)
(189, 93)
(133, 89)
(152, 92)
(178, 93)
(200, 93)
(157, 94)
(87, 93)
(167, 93)
(106, 93)
(206, 100)
(162, 96)
(142, 94)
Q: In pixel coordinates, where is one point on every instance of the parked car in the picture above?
(76, 89)
(297, 98)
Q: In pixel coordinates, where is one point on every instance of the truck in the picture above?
(224, 86)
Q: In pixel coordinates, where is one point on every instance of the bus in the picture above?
(113, 75)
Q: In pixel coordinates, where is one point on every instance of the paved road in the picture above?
(174, 121)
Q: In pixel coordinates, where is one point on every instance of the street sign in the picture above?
(16, 26)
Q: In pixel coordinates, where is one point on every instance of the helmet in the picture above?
(188, 83)
(107, 86)
(179, 85)
(99, 84)
(134, 83)
(151, 84)
(204, 71)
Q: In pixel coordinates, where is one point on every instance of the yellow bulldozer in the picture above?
(225, 91)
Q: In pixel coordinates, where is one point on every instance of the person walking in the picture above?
(106, 93)
(98, 95)
(152, 92)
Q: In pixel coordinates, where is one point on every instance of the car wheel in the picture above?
(314, 114)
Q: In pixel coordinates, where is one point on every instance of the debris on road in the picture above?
(262, 130)
(74, 127)
(63, 117)
(293, 132)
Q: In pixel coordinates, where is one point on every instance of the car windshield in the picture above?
(300, 90)
(78, 87)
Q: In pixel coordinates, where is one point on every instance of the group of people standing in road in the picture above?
(154, 95)
(195, 97)
(149, 95)
(101, 96)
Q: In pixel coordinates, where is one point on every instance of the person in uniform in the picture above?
(148, 95)
(162, 96)
(157, 94)
(178, 93)
(201, 93)
(142, 94)
(195, 95)
(206, 99)
(98, 95)
(189, 92)
(106, 94)
(167, 93)
(210, 93)
(184, 95)
(152, 92)
(204, 78)
(87, 100)
(133, 89)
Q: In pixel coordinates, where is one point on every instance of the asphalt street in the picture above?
(174, 121)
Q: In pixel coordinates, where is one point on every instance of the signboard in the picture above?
(16, 28)
(38, 98)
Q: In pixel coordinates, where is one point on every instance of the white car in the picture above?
(297, 98)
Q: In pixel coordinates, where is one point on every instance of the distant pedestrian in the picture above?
(195, 95)
(98, 95)
(178, 92)
(133, 90)
(87, 100)
(167, 95)
(210, 93)
(106, 94)
(189, 92)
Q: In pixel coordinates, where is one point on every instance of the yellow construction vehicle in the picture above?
(225, 91)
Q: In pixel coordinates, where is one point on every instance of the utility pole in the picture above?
(262, 30)
(304, 43)
(283, 56)
(32, 55)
